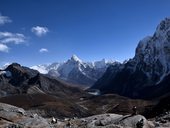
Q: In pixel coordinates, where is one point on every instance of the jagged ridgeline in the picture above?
(147, 75)
(76, 71)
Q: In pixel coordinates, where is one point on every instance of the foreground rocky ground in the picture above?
(15, 117)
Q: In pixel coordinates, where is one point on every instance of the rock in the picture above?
(111, 121)
(10, 108)
(53, 121)
(14, 117)
(163, 121)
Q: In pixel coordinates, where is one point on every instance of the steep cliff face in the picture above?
(147, 74)
(153, 53)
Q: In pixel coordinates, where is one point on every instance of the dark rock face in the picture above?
(122, 80)
(147, 74)
(19, 74)
(16, 79)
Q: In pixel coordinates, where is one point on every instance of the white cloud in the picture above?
(13, 38)
(16, 38)
(4, 48)
(4, 20)
(39, 31)
(42, 50)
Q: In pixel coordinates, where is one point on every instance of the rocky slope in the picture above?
(147, 74)
(14, 117)
(111, 103)
(47, 105)
(75, 70)
(16, 79)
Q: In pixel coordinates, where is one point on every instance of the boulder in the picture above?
(14, 117)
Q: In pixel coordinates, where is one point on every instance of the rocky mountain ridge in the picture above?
(17, 79)
(147, 74)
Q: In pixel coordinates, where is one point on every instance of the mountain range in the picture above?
(44, 93)
(45, 99)
(75, 71)
(39, 93)
(147, 75)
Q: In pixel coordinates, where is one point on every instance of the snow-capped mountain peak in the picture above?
(100, 64)
(154, 50)
(75, 58)
(41, 68)
(75, 70)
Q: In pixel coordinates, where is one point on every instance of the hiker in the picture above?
(134, 109)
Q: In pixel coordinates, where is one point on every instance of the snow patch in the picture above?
(75, 58)
(7, 73)
(40, 68)
(94, 92)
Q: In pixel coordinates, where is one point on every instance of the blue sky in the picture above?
(43, 31)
